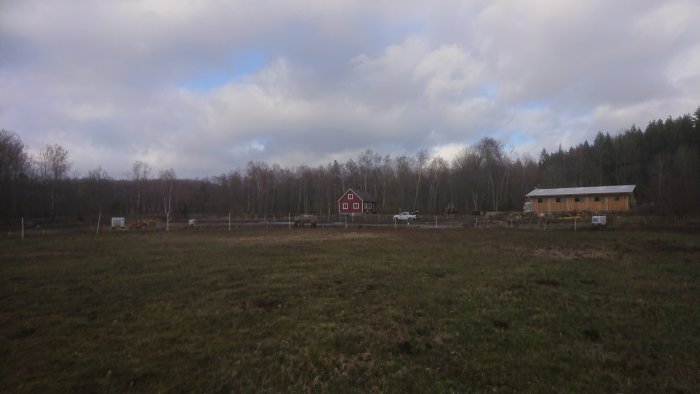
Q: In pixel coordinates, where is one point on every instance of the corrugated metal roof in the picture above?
(570, 191)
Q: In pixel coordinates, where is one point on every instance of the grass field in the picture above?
(327, 310)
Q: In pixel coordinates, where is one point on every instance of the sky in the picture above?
(206, 86)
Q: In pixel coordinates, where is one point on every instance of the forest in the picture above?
(663, 160)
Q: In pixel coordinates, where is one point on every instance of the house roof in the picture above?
(570, 191)
(364, 196)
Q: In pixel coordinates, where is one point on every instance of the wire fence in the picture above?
(100, 225)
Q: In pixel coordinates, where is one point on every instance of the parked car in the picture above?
(407, 216)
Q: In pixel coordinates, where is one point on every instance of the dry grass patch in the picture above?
(303, 235)
(573, 254)
(561, 252)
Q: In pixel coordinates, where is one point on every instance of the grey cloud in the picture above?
(106, 78)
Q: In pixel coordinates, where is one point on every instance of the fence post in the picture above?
(22, 227)
(97, 232)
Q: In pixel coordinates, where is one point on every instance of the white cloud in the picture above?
(448, 151)
(448, 72)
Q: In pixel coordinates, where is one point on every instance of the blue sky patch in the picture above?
(240, 65)
(488, 91)
(248, 63)
(206, 82)
(535, 105)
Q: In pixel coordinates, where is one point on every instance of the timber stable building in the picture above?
(354, 202)
(579, 199)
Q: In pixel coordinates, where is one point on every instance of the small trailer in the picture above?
(599, 221)
(118, 222)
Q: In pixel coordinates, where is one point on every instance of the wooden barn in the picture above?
(354, 202)
(578, 199)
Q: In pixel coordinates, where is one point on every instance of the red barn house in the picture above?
(356, 203)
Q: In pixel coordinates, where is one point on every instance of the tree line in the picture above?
(663, 160)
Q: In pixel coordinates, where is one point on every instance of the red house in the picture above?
(356, 203)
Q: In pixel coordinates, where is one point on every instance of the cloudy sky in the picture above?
(206, 86)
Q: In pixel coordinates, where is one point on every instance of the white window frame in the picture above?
(345, 205)
(350, 196)
(356, 205)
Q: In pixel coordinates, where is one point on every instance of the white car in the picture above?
(408, 216)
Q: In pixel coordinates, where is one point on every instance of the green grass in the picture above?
(416, 310)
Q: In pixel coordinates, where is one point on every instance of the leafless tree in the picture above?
(420, 161)
(98, 183)
(53, 166)
(140, 172)
(167, 182)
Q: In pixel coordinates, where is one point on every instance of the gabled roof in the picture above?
(570, 191)
(364, 196)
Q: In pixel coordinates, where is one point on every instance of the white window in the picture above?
(350, 196)
(364, 206)
(345, 205)
(356, 205)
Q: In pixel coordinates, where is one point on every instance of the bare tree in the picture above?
(140, 172)
(468, 170)
(167, 180)
(496, 166)
(98, 182)
(438, 170)
(420, 161)
(53, 165)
